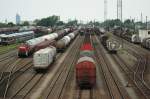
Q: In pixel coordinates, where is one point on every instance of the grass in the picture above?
(5, 49)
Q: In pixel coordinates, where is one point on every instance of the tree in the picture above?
(60, 23)
(25, 23)
(129, 24)
(49, 21)
(10, 24)
(3, 25)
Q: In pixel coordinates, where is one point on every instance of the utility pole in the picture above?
(105, 10)
(146, 24)
(119, 9)
(119, 15)
(141, 17)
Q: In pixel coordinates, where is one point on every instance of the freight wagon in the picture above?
(86, 67)
(43, 58)
(112, 45)
(65, 41)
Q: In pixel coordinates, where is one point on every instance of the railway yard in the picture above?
(110, 74)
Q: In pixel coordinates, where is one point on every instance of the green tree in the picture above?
(129, 24)
(49, 21)
(25, 23)
(2, 25)
(60, 23)
(10, 24)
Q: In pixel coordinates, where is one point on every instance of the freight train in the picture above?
(142, 38)
(86, 67)
(33, 45)
(43, 58)
(16, 37)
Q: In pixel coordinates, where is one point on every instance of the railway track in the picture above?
(135, 76)
(26, 87)
(13, 68)
(62, 74)
(8, 55)
(139, 68)
(72, 91)
(113, 85)
(12, 74)
(85, 94)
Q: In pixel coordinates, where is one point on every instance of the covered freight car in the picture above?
(86, 72)
(44, 57)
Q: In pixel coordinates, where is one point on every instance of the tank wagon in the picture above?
(65, 41)
(16, 37)
(35, 44)
(43, 58)
(86, 67)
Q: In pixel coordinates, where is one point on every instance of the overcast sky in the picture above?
(80, 9)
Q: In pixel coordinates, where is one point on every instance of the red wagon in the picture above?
(86, 72)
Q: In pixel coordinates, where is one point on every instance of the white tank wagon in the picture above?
(135, 39)
(62, 44)
(50, 36)
(73, 34)
(38, 40)
(43, 58)
(112, 45)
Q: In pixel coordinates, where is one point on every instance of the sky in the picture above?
(85, 10)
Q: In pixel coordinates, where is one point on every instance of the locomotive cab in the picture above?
(23, 50)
